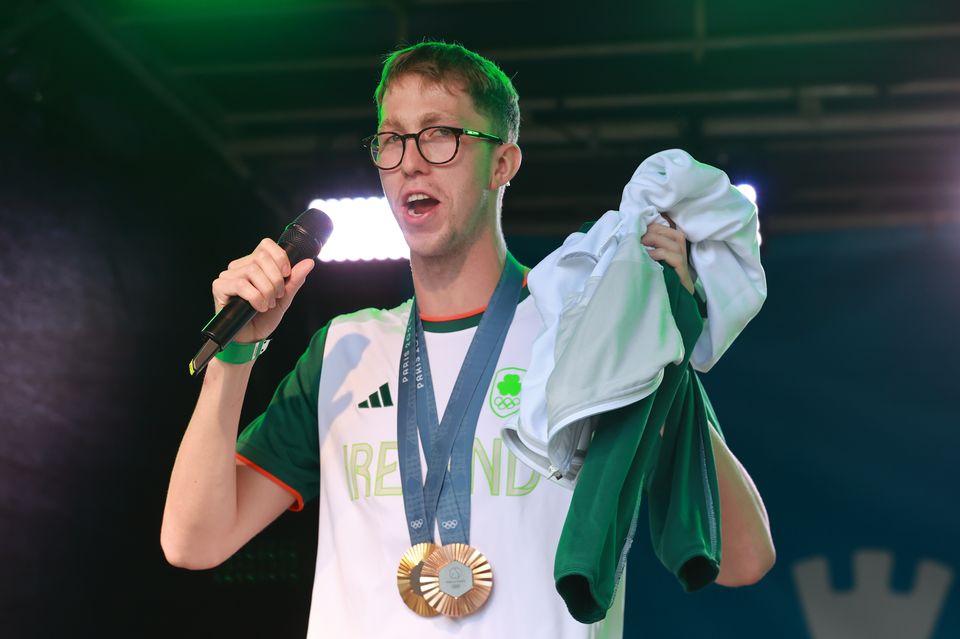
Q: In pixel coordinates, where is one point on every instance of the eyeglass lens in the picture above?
(436, 144)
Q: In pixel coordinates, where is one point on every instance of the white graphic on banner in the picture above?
(870, 610)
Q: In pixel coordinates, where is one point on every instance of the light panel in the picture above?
(751, 194)
(748, 191)
(363, 229)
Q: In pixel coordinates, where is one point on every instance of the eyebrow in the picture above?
(427, 119)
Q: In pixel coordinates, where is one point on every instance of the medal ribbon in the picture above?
(445, 495)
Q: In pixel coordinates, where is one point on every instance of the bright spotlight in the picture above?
(748, 191)
(363, 229)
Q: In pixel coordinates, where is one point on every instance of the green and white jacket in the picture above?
(607, 328)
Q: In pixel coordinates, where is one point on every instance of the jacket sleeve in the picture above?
(684, 498)
(601, 521)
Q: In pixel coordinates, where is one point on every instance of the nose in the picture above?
(412, 162)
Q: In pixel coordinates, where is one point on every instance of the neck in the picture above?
(456, 284)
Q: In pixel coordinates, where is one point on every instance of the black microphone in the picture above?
(302, 238)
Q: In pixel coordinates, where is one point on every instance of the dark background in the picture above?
(144, 144)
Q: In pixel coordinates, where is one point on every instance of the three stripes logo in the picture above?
(379, 398)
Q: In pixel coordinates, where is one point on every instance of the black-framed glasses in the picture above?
(436, 144)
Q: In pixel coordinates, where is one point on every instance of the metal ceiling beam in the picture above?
(726, 43)
(796, 222)
(603, 131)
(939, 86)
(879, 192)
(168, 16)
(860, 122)
(948, 30)
(925, 142)
(285, 116)
(802, 221)
(722, 96)
(599, 102)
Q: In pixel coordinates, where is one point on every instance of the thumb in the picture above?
(298, 275)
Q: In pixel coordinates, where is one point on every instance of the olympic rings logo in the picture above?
(506, 403)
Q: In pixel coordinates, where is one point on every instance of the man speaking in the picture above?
(425, 544)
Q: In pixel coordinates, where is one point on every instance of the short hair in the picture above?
(490, 89)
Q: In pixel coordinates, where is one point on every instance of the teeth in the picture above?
(416, 197)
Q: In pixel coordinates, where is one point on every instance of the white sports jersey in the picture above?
(517, 516)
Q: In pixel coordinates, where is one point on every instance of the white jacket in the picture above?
(608, 331)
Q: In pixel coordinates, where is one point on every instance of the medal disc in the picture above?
(456, 580)
(408, 579)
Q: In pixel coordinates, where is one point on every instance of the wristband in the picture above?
(236, 353)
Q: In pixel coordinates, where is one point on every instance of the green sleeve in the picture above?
(602, 518)
(683, 494)
(282, 442)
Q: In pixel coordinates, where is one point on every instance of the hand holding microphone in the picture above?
(267, 282)
(252, 294)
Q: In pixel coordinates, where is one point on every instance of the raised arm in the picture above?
(748, 552)
(214, 506)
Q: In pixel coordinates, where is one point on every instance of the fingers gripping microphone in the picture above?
(302, 238)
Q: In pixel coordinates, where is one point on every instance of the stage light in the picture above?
(748, 191)
(751, 194)
(363, 229)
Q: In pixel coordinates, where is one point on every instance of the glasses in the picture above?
(436, 144)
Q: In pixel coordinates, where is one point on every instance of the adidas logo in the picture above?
(379, 398)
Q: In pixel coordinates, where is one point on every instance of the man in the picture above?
(446, 149)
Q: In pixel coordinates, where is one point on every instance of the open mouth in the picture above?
(419, 205)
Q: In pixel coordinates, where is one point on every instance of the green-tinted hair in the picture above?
(491, 90)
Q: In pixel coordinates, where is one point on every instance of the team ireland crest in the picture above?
(505, 391)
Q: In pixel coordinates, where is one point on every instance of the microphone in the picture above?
(302, 238)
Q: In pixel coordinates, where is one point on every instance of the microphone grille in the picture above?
(316, 223)
(306, 235)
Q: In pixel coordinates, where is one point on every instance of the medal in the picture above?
(408, 579)
(456, 580)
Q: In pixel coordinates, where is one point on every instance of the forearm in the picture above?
(201, 506)
(748, 552)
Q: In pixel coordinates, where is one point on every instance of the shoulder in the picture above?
(363, 321)
(374, 317)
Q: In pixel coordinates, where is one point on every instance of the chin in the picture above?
(431, 253)
(426, 249)
(429, 247)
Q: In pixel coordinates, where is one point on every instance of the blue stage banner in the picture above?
(840, 399)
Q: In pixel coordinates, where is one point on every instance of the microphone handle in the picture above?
(238, 311)
(301, 239)
(221, 330)
(228, 322)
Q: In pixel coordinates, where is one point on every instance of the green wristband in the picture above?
(235, 353)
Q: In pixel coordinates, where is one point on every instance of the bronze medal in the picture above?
(408, 579)
(456, 580)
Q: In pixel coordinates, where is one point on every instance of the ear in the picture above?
(506, 162)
